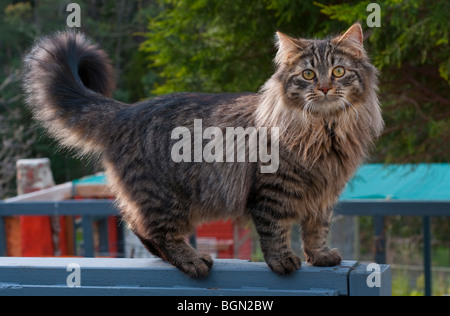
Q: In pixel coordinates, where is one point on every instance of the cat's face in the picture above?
(323, 76)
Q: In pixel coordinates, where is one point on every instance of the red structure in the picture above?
(225, 240)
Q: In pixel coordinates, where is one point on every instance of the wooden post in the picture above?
(427, 254)
(13, 241)
(33, 175)
(380, 240)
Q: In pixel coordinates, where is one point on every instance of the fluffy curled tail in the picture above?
(68, 83)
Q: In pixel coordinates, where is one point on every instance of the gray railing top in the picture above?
(106, 276)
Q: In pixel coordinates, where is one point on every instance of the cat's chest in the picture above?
(305, 186)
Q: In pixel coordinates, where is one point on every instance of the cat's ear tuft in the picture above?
(353, 40)
(287, 46)
(354, 33)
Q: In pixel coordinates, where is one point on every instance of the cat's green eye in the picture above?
(308, 74)
(338, 72)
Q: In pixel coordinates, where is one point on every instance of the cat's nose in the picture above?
(324, 89)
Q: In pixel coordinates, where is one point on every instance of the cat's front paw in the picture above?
(284, 264)
(324, 258)
(196, 267)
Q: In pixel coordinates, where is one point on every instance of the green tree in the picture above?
(215, 46)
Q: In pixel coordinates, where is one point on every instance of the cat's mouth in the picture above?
(326, 104)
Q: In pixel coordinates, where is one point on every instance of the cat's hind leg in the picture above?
(165, 238)
(180, 254)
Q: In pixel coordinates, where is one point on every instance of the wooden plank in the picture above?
(380, 239)
(102, 225)
(233, 277)
(88, 235)
(69, 207)
(427, 261)
(13, 238)
(56, 193)
(367, 207)
(93, 191)
(30, 290)
(393, 208)
(70, 236)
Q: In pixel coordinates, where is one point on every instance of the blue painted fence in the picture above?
(90, 211)
(104, 276)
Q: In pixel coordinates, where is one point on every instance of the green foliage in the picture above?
(215, 46)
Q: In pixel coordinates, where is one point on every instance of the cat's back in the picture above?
(159, 116)
(194, 105)
(141, 149)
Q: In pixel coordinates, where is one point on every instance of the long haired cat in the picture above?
(322, 98)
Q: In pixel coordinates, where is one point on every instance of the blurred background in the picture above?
(159, 47)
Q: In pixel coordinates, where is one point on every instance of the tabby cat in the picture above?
(322, 98)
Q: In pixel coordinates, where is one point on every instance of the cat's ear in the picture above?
(352, 40)
(288, 47)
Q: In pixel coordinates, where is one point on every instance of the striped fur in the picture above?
(68, 81)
